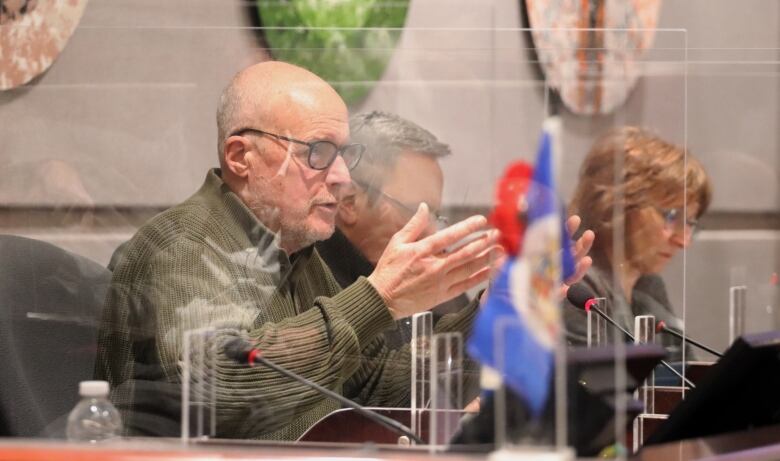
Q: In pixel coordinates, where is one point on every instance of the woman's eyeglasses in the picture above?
(675, 220)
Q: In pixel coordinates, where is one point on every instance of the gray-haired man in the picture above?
(399, 170)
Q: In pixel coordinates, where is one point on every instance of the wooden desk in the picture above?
(140, 449)
(756, 444)
(348, 426)
(668, 397)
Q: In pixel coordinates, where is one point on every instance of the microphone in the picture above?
(242, 351)
(583, 298)
(661, 327)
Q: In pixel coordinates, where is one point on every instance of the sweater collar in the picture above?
(258, 234)
(237, 211)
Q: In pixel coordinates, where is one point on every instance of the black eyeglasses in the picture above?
(321, 154)
(675, 220)
(441, 221)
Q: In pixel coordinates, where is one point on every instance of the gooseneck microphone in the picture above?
(661, 327)
(242, 351)
(583, 298)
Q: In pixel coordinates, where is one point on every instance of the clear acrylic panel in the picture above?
(644, 333)
(732, 265)
(737, 311)
(597, 325)
(446, 389)
(133, 138)
(422, 331)
(121, 128)
(526, 420)
(199, 385)
(630, 189)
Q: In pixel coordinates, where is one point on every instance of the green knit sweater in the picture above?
(209, 262)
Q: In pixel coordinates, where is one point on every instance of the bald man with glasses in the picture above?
(238, 257)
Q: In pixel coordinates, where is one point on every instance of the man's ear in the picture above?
(235, 155)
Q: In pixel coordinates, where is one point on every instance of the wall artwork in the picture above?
(32, 35)
(347, 42)
(593, 71)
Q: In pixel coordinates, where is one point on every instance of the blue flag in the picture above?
(517, 329)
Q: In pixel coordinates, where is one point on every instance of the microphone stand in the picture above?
(254, 356)
(661, 327)
(631, 337)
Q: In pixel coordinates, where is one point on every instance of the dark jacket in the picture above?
(648, 298)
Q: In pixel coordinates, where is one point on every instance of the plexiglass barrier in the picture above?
(446, 378)
(422, 331)
(199, 385)
(737, 311)
(644, 333)
(597, 325)
(122, 128)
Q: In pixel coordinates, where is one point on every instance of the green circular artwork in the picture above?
(346, 42)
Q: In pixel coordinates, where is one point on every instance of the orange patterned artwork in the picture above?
(590, 49)
(32, 35)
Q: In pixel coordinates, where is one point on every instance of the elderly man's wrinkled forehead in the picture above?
(310, 104)
(278, 93)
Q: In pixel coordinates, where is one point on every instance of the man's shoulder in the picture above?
(185, 220)
(194, 221)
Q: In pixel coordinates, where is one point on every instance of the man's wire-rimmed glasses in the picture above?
(321, 154)
(441, 221)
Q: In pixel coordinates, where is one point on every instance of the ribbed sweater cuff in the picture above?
(364, 310)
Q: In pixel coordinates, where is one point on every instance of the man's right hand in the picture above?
(414, 274)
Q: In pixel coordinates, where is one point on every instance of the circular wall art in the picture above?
(346, 42)
(589, 49)
(32, 35)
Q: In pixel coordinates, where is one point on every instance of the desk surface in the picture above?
(757, 444)
(173, 449)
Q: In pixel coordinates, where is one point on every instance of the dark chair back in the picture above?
(50, 304)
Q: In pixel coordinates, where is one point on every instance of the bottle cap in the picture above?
(93, 388)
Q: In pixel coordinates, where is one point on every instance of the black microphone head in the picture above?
(238, 349)
(579, 295)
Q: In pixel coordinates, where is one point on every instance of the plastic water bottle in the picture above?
(94, 418)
